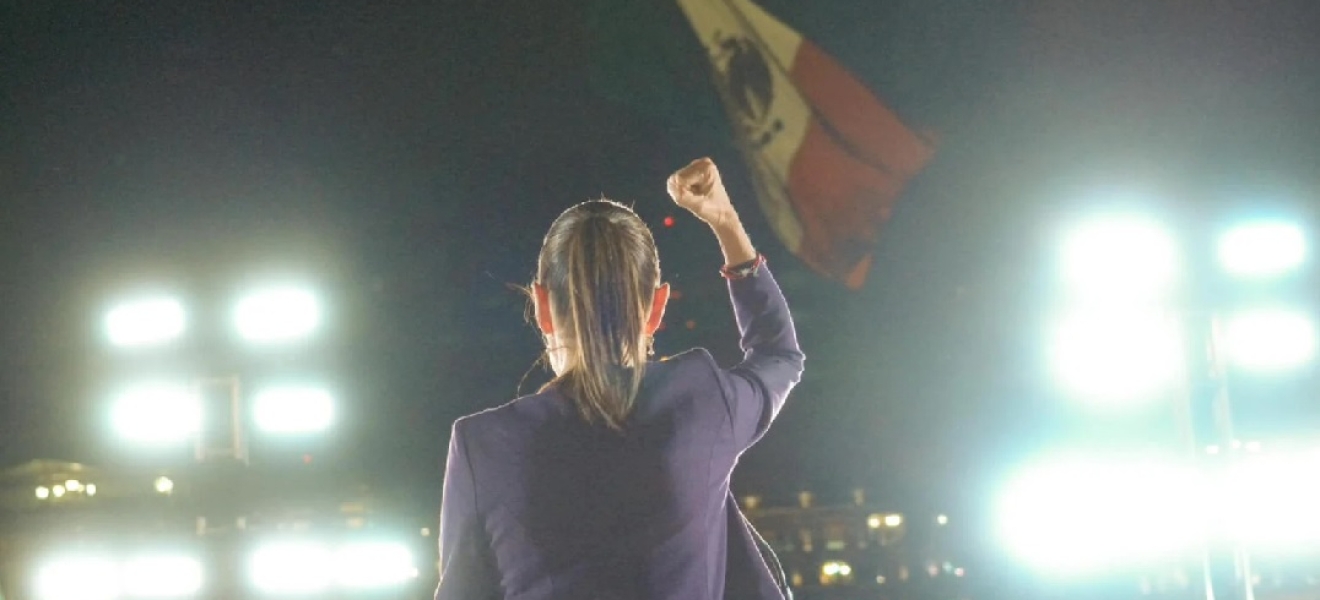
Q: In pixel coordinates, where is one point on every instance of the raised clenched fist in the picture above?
(698, 188)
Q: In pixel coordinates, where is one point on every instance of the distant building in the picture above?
(856, 546)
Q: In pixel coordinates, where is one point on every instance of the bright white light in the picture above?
(291, 568)
(1085, 515)
(294, 410)
(892, 521)
(78, 578)
(1270, 340)
(147, 322)
(942, 520)
(162, 576)
(164, 485)
(830, 568)
(1265, 249)
(1120, 257)
(1272, 498)
(158, 414)
(373, 565)
(1117, 357)
(873, 521)
(90, 490)
(43, 492)
(73, 485)
(277, 315)
(58, 491)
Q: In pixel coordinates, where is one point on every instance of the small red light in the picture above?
(691, 324)
(307, 459)
(669, 221)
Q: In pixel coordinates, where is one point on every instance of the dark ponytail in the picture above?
(600, 265)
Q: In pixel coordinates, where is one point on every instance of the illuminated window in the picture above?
(836, 572)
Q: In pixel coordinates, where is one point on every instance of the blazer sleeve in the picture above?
(756, 388)
(466, 570)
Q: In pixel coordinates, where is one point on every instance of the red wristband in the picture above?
(744, 270)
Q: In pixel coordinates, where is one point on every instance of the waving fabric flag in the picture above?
(829, 159)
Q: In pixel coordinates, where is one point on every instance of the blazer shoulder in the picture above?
(691, 358)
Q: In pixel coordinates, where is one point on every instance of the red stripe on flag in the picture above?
(852, 165)
(841, 204)
(871, 129)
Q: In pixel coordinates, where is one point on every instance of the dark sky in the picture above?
(407, 156)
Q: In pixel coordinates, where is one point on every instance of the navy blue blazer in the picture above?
(539, 505)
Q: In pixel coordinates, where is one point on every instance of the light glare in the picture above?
(78, 578)
(1270, 340)
(162, 576)
(277, 315)
(1266, 249)
(1120, 257)
(291, 568)
(158, 414)
(1117, 357)
(147, 322)
(1086, 515)
(293, 410)
(373, 565)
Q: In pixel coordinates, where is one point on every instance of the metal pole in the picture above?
(1232, 576)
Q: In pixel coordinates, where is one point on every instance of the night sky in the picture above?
(406, 158)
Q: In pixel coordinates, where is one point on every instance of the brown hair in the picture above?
(599, 263)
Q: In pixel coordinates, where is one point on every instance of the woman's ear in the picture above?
(541, 308)
(658, 303)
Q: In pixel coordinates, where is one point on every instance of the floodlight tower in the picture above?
(1128, 338)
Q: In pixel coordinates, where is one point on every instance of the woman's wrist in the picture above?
(734, 241)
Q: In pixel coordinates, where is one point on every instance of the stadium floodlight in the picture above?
(58, 491)
(291, 568)
(90, 489)
(1270, 339)
(158, 413)
(373, 565)
(78, 578)
(43, 492)
(1120, 257)
(294, 409)
(893, 520)
(1083, 516)
(1273, 498)
(1117, 357)
(145, 322)
(1262, 249)
(164, 485)
(162, 576)
(276, 315)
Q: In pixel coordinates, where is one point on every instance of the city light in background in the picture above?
(1262, 250)
(1071, 516)
(78, 578)
(162, 576)
(277, 315)
(1115, 356)
(294, 409)
(1124, 339)
(1075, 515)
(308, 567)
(145, 322)
(1120, 257)
(158, 413)
(373, 565)
(1268, 340)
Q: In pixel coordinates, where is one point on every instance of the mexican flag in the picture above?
(828, 157)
